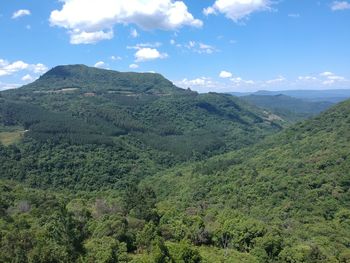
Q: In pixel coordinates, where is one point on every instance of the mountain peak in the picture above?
(91, 79)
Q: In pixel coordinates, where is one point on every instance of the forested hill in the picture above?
(288, 108)
(283, 200)
(80, 78)
(87, 128)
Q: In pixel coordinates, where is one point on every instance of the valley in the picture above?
(148, 172)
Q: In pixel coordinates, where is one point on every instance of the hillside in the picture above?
(283, 200)
(288, 108)
(87, 128)
(80, 78)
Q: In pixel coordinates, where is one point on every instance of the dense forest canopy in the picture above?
(102, 166)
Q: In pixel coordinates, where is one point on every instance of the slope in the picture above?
(89, 128)
(283, 200)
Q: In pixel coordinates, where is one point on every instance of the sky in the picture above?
(206, 45)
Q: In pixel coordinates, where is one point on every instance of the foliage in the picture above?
(97, 181)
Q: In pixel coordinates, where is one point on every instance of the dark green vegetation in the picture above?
(288, 108)
(94, 129)
(283, 198)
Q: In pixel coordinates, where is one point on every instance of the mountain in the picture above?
(92, 176)
(333, 96)
(288, 108)
(86, 128)
(80, 79)
(285, 199)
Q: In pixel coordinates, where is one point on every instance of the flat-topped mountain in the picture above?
(90, 79)
(129, 119)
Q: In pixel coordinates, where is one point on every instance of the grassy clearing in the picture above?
(10, 137)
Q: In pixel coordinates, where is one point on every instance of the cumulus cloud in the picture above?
(201, 84)
(324, 80)
(134, 33)
(27, 78)
(83, 37)
(144, 45)
(225, 74)
(238, 81)
(100, 64)
(340, 5)
(114, 58)
(307, 78)
(329, 78)
(206, 84)
(146, 54)
(133, 66)
(91, 21)
(198, 47)
(6, 86)
(38, 68)
(20, 13)
(279, 79)
(7, 68)
(237, 10)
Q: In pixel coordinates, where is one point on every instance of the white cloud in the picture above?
(198, 47)
(144, 45)
(225, 74)
(133, 66)
(145, 54)
(172, 42)
(238, 81)
(237, 10)
(27, 78)
(6, 86)
(20, 13)
(324, 80)
(201, 84)
(279, 79)
(91, 21)
(38, 68)
(83, 37)
(7, 68)
(100, 64)
(326, 74)
(204, 48)
(134, 33)
(307, 78)
(340, 5)
(115, 58)
(206, 84)
(329, 78)
(209, 11)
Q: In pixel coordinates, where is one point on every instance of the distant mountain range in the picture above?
(290, 109)
(334, 96)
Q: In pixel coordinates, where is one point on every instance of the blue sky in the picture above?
(208, 45)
